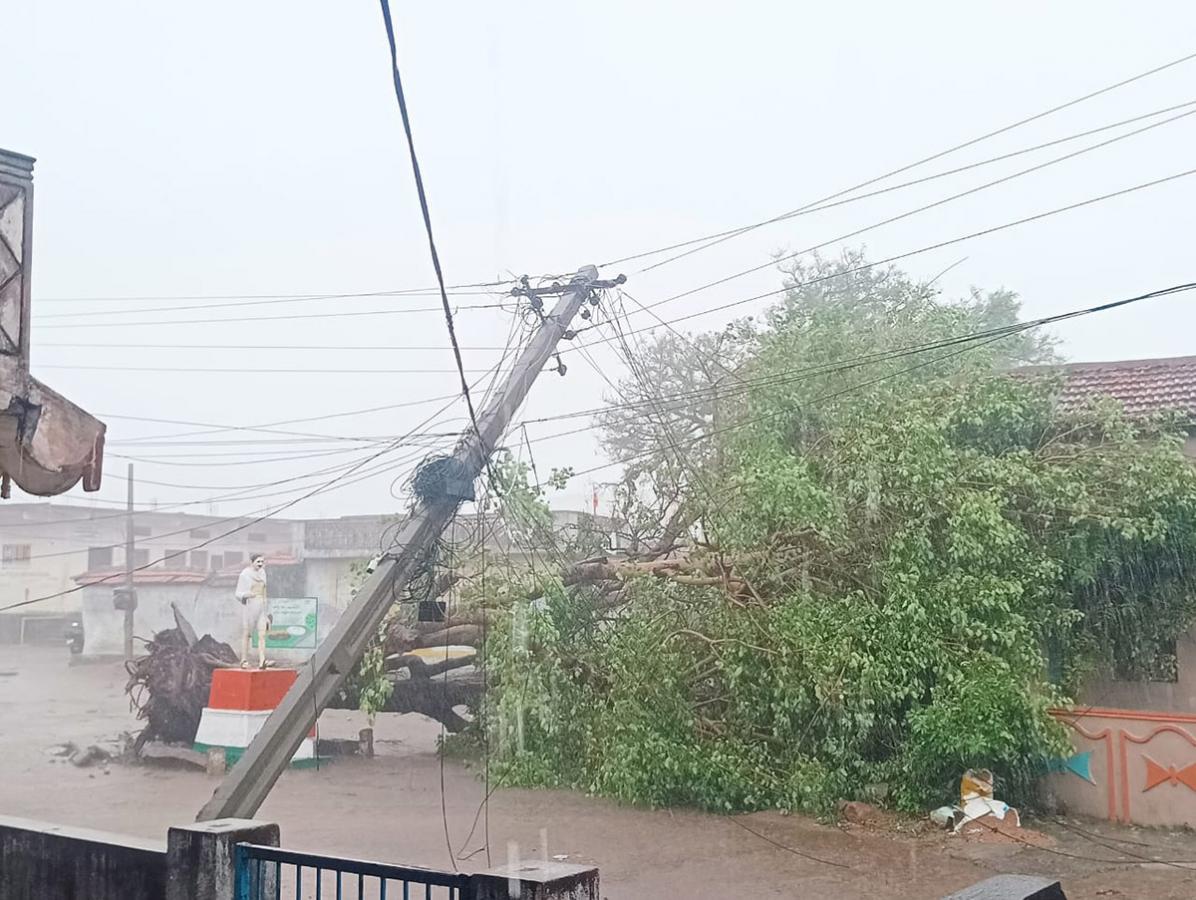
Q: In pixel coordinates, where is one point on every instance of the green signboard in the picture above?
(292, 623)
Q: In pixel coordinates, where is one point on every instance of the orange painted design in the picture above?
(1124, 739)
(1118, 772)
(1157, 774)
(249, 689)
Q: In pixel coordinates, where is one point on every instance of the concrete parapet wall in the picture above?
(40, 861)
(1129, 766)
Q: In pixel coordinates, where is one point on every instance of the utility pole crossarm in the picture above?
(245, 787)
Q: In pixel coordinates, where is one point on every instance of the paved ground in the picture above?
(390, 809)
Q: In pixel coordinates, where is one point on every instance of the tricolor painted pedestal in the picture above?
(239, 703)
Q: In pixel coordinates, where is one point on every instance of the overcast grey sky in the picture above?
(255, 148)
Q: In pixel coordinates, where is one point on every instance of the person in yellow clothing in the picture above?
(251, 594)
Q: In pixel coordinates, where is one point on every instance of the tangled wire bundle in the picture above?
(169, 685)
(441, 477)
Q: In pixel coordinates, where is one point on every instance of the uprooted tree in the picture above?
(853, 562)
(169, 684)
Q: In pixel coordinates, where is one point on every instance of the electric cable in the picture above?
(946, 243)
(427, 216)
(940, 154)
(932, 205)
(821, 206)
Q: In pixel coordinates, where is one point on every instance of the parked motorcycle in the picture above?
(74, 637)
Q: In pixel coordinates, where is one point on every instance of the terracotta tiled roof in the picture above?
(1143, 386)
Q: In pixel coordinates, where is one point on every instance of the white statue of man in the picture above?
(251, 593)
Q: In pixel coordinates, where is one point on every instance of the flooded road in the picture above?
(390, 808)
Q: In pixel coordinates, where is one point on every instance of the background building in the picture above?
(45, 546)
(74, 556)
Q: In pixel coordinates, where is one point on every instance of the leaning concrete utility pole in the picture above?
(250, 780)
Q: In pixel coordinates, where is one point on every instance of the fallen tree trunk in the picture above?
(437, 697)
(454, 634)
(421, 668)
(452, 684)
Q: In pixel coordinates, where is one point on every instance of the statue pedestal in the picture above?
(239, 703)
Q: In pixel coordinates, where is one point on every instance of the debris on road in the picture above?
(162, 752)
(859, 813)
(89, 756)
(943, 817)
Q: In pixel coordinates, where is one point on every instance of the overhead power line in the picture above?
(891, 259)
(817, 206)
(417, 435)
(786, 376)
(313, 441)
(648, 307)
(273, 511)
(218, 429)
(387, 407)
(427, 216)
(801, 210)
(288, 318)
(964, 343)
(935, 204)
(236, 494)
(211, 425)
(241, 457)
(346, 348)
(783, 377)
(223, 370)
(240, 304)
(855, 198)
(400, 292)
(926, 159)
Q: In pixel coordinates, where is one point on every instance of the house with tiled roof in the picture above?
(1135, 741)
(1143, 387)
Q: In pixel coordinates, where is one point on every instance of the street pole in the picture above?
(129, 569)
(246, 786)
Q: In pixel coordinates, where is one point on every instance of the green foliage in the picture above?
(917, 535)
(368, 683)
(525, 515)
(374, 688)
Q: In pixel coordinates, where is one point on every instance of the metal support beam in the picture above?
(245, 787)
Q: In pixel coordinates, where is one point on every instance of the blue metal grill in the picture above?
(268, 873)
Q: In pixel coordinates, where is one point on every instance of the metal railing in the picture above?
(269, 873)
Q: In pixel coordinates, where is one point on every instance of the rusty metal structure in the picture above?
(47, 443)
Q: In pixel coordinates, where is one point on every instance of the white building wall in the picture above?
(44, 546)
(332, 580)
(210, 610)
